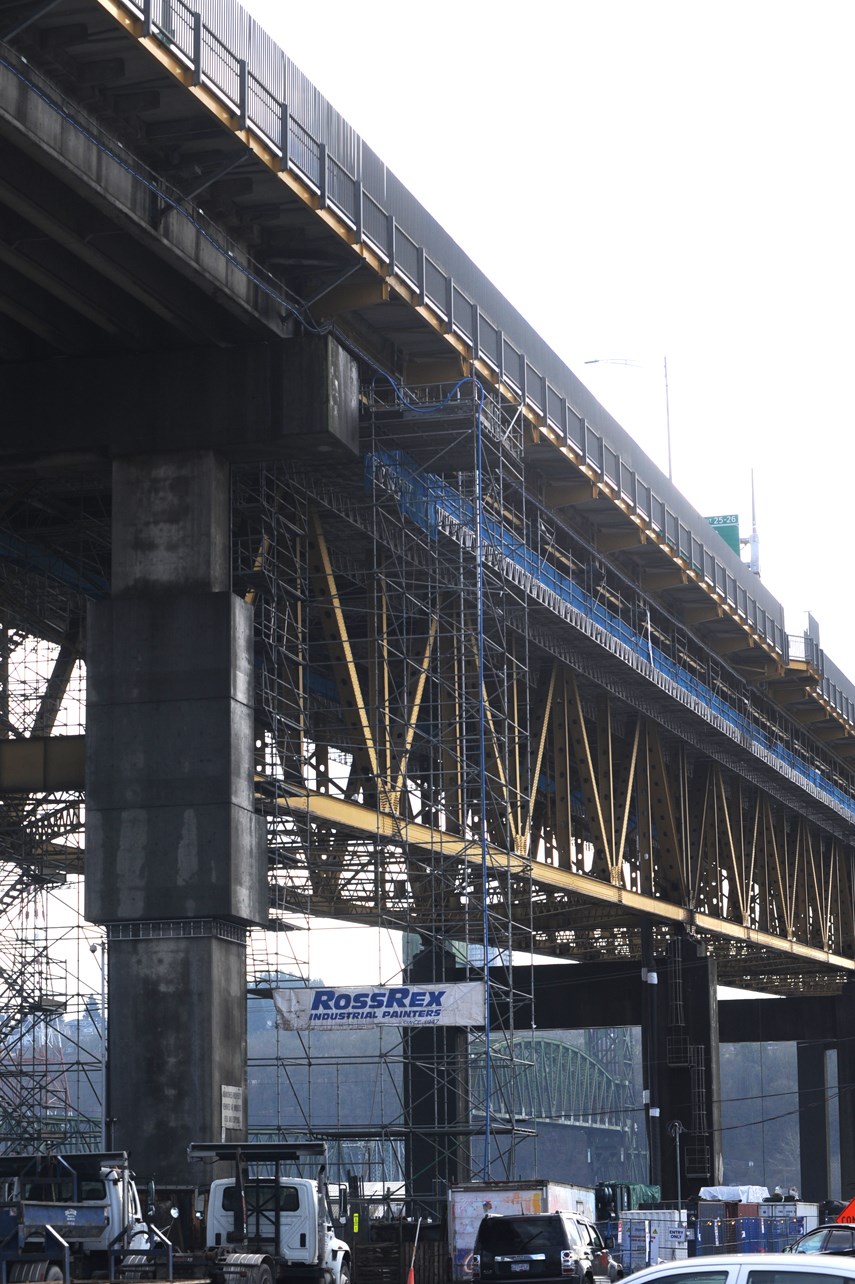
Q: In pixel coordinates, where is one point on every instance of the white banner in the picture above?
(411, 1006)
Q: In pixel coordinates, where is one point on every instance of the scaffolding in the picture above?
(51, 1021)
(456, 695)
(395, 768)
(393, 690)
(509, 701)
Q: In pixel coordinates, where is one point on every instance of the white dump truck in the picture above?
(80, 1217)
(72, 1215)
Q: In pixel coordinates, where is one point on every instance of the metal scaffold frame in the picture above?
(51, 1027)
(512, 695)
(473, 729)
(392, 711)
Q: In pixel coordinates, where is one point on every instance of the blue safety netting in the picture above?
(433, 504)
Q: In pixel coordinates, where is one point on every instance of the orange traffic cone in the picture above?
(411, 1273)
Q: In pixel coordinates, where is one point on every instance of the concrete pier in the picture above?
(176, 856)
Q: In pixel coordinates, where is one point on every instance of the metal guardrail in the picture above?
(835, 687)
(258, 108)
(434, 505)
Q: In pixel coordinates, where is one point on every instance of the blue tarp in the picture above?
(424, 497)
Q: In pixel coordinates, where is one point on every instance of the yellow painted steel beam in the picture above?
(670, 858)
(395, 828)
(413, 714)
(627, 786)
(846, 898)
(667, 577)
(514, 750)
(540, 728)
(777, 868)
(562, 821)
(585, 766)
(379, 692)
(644, 873)
(451, 700)
(703, 614)
(787, 695)
(604, 780)
(350, 297)
(822, 886)
(361, 820)
(728, 645)
(833, 734)
(731, 836)
(347, 676)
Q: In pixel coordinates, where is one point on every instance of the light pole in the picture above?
(675, 1127)
(667, 417)
(638, 365)
(103, 965)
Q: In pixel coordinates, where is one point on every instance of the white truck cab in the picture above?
(302, 1219)
(265, 1220)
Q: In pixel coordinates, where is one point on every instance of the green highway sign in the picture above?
(728, 528)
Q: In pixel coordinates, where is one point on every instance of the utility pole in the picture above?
(668, 418)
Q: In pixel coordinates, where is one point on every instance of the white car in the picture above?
(752, 1268)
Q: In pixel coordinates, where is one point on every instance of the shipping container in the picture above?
(642, 1237)
(805, 1210)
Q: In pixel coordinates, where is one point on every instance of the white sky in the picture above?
(645, 180)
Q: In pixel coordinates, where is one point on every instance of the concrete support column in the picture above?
(845, 1013)
(650, 1018)
(436, 1093)
(687, 1084)
(175, 854)
(813, 1121)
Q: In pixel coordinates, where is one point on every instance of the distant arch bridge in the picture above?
(545, 1080)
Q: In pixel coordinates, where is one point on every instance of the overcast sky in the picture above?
(648, 180)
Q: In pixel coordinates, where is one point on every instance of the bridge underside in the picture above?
(362, 641)
(607, 804)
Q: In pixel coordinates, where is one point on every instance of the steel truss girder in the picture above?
(592, 799)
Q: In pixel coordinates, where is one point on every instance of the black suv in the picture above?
(551, 1248)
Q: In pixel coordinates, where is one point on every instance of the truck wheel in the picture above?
(137, 1266)
(22, 1272)
(344, 1273)
(262, 1274)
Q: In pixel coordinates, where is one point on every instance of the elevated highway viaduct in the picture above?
(384, 617)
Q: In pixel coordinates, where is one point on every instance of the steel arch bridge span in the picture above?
(538, 1079)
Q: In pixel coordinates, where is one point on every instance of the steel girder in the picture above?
(594, 814)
